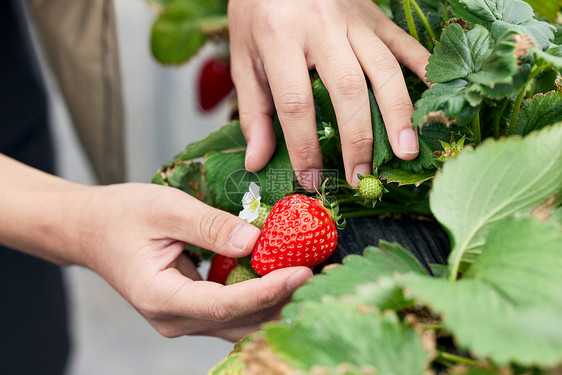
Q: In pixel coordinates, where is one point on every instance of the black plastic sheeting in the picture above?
(425, 239)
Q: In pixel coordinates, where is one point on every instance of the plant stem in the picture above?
(425, 22)
(351, 199)
(476, 129)
(496, 124)
(410, 20)
(446, 13)
(519, 100)
(456, 358)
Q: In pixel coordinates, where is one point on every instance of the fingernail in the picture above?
(311, 179)
(242, 235)
(408, 142)
(361, 169)
(297, 279)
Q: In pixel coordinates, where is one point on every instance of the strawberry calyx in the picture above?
(331, 205)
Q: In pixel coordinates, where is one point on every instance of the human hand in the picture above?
(274, 44)
(137, 241)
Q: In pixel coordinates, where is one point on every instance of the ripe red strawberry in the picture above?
(220, 268)
(299, 231)
(215, 82)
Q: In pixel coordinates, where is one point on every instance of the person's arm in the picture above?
(274, 44)
(134, 235)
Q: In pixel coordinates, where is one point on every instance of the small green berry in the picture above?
(239, 274)
(263, 212)
(370, 188)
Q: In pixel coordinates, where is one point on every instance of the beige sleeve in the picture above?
(80, 41)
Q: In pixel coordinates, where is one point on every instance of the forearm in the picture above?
(39, 213)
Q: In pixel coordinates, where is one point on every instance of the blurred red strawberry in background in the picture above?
(215, 82)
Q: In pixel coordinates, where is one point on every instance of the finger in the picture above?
(390, 90)
(342, 74)
(192, 221)
(256, 110)
(403, 46)
(216, 303)
(287, 72)
(187, 268)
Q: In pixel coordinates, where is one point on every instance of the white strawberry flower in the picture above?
(251, 203)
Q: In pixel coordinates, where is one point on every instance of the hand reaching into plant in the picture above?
(275, 43)
(134, 235)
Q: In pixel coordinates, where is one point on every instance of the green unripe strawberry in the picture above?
(239, 274)
(370, 188)
(263, 211)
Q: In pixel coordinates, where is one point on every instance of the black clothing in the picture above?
(33, 320)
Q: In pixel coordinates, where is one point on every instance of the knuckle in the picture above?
(220, 312)
(267, 298)
(306, 153)
(272, 19)
(211, 228)
(402, 108)
(362, 140)
(385, 63)
(350, 84)
(167, 330)
(325, 10)
(295, 103)
(145, 305)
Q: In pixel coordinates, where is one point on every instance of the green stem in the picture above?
(446, 13)
(352, 200)
(456, 358)
(476, 129)
(425, 22)
(432, 326)
(521, 95)
(410, 20)
(496, 124)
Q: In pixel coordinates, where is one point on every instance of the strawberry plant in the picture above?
(489, 172)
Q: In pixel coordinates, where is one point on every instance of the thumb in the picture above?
(196, 223)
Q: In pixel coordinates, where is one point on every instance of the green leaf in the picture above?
(188, 177)
(366, 339)
(546, 8)
(228, 137)
(324, 103)
(551, 56)
(177, 34)
(538, 112)
(500, 65)
(445, 103)
(499, 179)
(404, 178)
(382, 151)
(493, 69)
(498, 16)
(229, 180)
(508, 306)
(388, 259)
(231, 365)
(424, 161)
(522, 259)
(459, 53)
